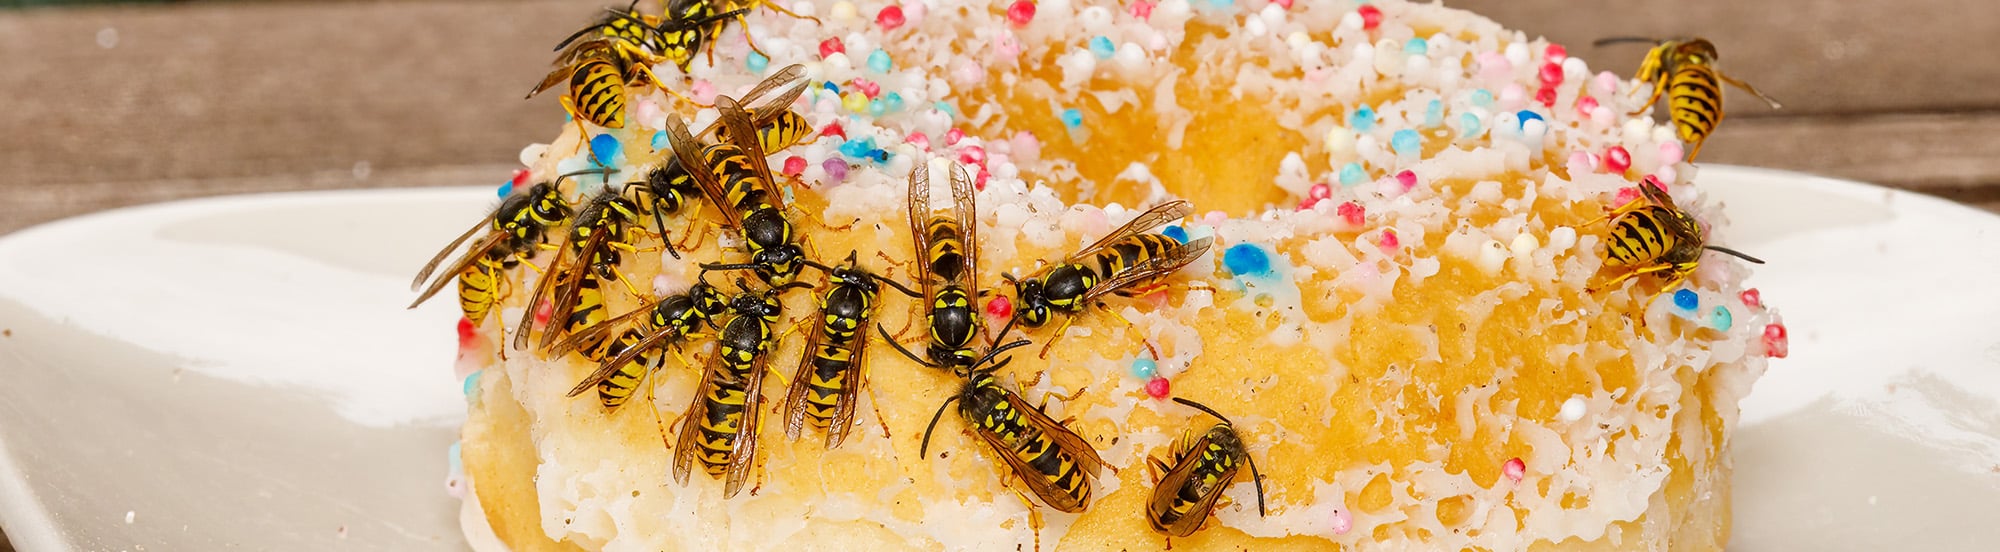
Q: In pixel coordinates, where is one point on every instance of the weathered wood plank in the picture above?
(1956, 156)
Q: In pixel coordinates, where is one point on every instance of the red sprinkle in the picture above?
(1158, 387)
(795, 165)
(520, 177)
(1286, 4)
(1389, 242)
(972, 155)
(1371, 17)
(1776, 345)
(1547, 96)
(830, 47)
(1407, 179)
(920, 139)
(1021, 13)
(1514, 469)
(1552, 73)
(952, 136)
(890, 18)
(1616, 160)
(979, 182)
(1320, 191)
(1626, 195)
(1655, 181)
(1144, 10)
(542, 313)
(1585, 105)
(1308, 203)
(466, 332)
(1353, 212)
(867, 87)
(1000, 307)
(1752, 298)
(1556, 53)
(833, 129)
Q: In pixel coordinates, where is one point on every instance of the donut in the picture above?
(1044, 275)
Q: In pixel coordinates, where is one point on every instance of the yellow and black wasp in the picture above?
(949, 245)
(683, 29)
(518, 226)
(600, 233)
(1186, 488)
(1124, 259)
(827, 384)
(733, 174)
(1054, 462)
(1684, 70)
(621, 54)
(652, 330)
(1650, 234)
(720, 428)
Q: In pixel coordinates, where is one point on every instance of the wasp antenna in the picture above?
(1622, 40)
(1734, 253)
(924, 449)
(898, 286)
(1001, 349)
(898, 346)
(1204, 408)
(1257, 478)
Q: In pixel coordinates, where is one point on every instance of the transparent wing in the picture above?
(1152, 268)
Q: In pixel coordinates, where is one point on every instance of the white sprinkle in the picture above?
(1095, 19)
(1525, 245)
(1255, 27)
(844, 10)
(1339, 144)
(533, 154)
(1491, 256)
(1572, 409)
(1562, 238)
(1517, 54)
(129, 516)
(1350, 21)
(1131, 55)
(107, 38)
(1297, 39)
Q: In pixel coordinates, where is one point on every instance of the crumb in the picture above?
(341, 532)
(130, 515)
(7, 332)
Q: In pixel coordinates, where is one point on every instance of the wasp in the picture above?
(778, 127)
(597, 235)
(1123, 259)
(1684, 70)
(653, 329)
(1203, 464)
(828, 381)
(949, 246)
(518, 226)
(1054, 463)
(1651, 234)
(720, 428)
(733, 174)
(683, 29)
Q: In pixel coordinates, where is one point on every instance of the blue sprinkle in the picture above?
(1482, 98)
(831, 87)
(878, 154)
(1246, 259)
(1686, 299)
(1525, 115)
(1416, 46)
(1406, 142)
(457, 465)
(1144, 368)
(1720, 318)
(1351, 174)
(1222, 4)
(1176, 232)
(895, 101)
(472, 383)
(1072, 118)
(603, 150)
(879, 61)
(946, 108)
(857, 148)
(756, 62)
(1362, 119)
(660, 140)
(1434, 114)
(507, 188)
(877, 107)
(1471, 124)
(1101, 47)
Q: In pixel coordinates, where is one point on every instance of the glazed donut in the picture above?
(1404, 260)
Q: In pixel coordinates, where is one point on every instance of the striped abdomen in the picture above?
(589, 312)
(476, 293)
(1694, 100)
(598, 89)
(1118, 257)
(744, 339)
(1215, 466)
(827, 382)
(740, 181)
(947, 250)
(614, 390)
(783, 130)
(1639, 238)
(953, 323)
(995, 414)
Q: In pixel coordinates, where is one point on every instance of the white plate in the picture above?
(240, 372)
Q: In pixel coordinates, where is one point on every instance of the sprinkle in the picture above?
(660, 140)
(1546, 95)
(756, 62)
(877, 108)
(1286, 4)
(1512, 95)
(1000, 307)
(1776, 345)
(1434, 114)
(1362, 119)
(604, 150)
(890, 18)
(1176, 232)
(506, 189)
(879, 61)
(1670, 152)
(972, 155)
(1221, 4)
(1140, 9)
(1471, 124)
(471, 384)
(866, 87)
(1626, 195)
(1616, 160)
(1551, 73)
(1351, 174)
(1572, 409)
(1720, 318)
(1342, 522)
(1605, 83)
(830, 47)
(1417, 46)
(857, 148)
(1555, 53)
(1158, 387)
(542, 313)
(855, 101)
(919, 139)
(467, 333)
(1352, 212)
(833, 129)
(1687, 299)
(1145, 369)
(1072, 118)
(1751, 298)
(1585, 105)
(1407, 143)
(795, 165)
(1319, 191)
(1101, 47)
(1482, 98)
(1514, 469)
(1389, 242)
(894, 100)
(1371, 17)
(520, 177)
(979, 182)
(1524, 245)
(844, 10)
(1526, 116)
(1021, 13)
(1408, 179)
(953, 135)
(1246, 259)
(836, 170)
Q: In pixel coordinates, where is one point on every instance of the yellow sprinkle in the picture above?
(855, 101)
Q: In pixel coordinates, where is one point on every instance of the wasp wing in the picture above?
(850, 388)
(689, 151)
(472, 255)
(795, 396)
(571, 287)
(424, 274)
(1156, 267)
(685, 444)
(920, 210)
(1158, 215)
(744, 455)
(1170, 485)
(965, 201)
(743, 132)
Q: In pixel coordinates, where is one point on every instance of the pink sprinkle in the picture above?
(920, 140)
(1670, 153)
(1776, 345)
(795, 165)
(703, 91)
(972, 155)
(1006, 46)
(1616, 160)
(1552, 73)
(1514, 469)
(1286, 4)
(1606, 83)
(970, 72)
(1655, 181)
(1142, 10)
(1494, 65)
(1319, 191)
(1556, 53)
(1389, 242)
(1667, 174)
(867, 87)
(1371, 17)
(1308, 203)
(520, 177)
(1342, 522)
(1000, 307)
(952, 136)
(1408, 179)
(979, 182)
(542, 313)
(833, 129)
(890, 18)
(1021, 13)
(1626, 195)
(1546, 96)
(467, 333)
(1353, 212)
(1751, 298)
(1585, 104)
(1158, 387)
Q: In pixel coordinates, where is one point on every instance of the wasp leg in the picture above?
(1658, 89)
(1665, 287)
(1058, 335)
(582, 135)
(1134, 328)
(642, 67)
(1747, 88)
(629, 287)
(1629, 275)
(872, 403)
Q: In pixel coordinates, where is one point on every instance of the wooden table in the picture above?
(113, 106)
